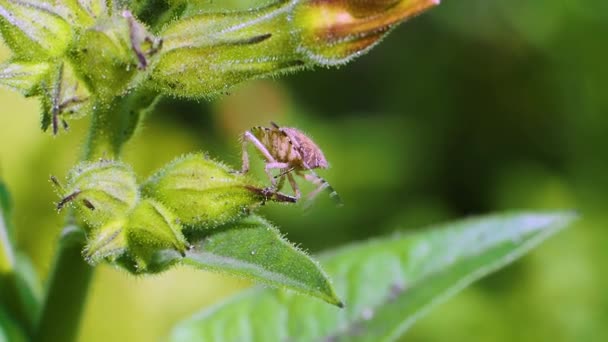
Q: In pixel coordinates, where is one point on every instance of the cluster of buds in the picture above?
(77, 55)
(80, 56)
(129, 224)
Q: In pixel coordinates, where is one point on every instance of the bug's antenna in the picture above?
(273, 124)
(333, 194)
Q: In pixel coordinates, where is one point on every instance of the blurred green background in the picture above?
(476, 106)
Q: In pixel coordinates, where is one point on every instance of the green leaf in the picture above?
(20, 290)
(254, 249)
(7, 253)
(26, 297)
(10, 331)
(388, 283)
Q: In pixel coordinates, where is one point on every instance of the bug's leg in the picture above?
(321, 184)
(281, 182)
(248, 137)
(294, 186)
(274, 165)
(245, 156)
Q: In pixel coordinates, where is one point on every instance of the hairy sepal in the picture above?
(101, 191)
(203, 193)
(34, 30)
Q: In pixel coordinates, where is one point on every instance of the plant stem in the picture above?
(67, 290)
(113, 125)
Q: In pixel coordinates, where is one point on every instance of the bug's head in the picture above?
(259, 131)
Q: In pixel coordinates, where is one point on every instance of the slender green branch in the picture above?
(113, 125)
(67, 290)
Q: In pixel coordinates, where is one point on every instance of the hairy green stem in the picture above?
(113, 125)
(67, 290)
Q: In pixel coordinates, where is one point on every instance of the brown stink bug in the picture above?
(290, 151)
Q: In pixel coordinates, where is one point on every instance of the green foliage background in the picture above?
(473, 107)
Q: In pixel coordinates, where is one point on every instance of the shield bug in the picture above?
(292, 152)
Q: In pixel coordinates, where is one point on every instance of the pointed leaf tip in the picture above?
(389, 283)
(254, 249)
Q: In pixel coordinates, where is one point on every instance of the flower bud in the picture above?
(101, 192)
(151, 228)
(203, 193)
(205, 53)
(34, 30)
(106, 242)
(335, 31)
(110, 53)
